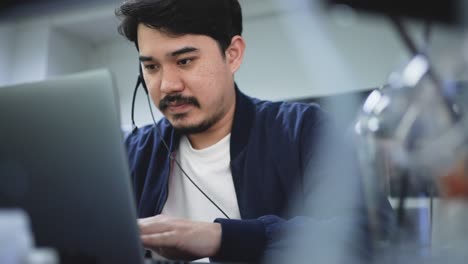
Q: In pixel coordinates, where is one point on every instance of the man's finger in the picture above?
(148, 228)
(154, 224)
(143, 220)
(165, 239)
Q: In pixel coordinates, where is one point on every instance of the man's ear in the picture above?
(235, 53)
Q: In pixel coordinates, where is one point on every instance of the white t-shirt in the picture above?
(210, 169)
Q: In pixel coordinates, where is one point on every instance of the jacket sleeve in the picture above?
(332, 224)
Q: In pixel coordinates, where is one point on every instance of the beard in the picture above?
(200, 127)
(192, 128)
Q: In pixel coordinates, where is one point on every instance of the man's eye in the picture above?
(184, 61)
(150, 66)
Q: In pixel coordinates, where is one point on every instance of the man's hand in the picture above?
(182, 239)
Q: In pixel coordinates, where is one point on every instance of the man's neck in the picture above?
(215, 133)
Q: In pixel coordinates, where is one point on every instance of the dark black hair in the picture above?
(218, 19)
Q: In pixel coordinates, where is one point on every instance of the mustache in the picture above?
(177, 99)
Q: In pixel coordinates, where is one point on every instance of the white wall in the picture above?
(66, 53)
(290, 56)
(30, 51)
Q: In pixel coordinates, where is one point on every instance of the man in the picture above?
(250, 158)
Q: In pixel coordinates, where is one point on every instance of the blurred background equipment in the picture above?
(447, 11)
(412, 138)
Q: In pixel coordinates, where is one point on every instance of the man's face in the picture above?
(188, 78)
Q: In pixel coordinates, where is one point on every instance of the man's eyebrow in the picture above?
(182, 51)
(145, 58)
(170, 54)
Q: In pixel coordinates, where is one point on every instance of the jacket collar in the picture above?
(244, 115)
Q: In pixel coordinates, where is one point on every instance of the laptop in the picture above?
(62, 161)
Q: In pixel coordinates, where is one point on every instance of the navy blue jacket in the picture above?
(276, 161)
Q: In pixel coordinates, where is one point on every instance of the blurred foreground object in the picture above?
(17, 242)
(413, 135)
(412, 138)
(412, 141)
(15, 237)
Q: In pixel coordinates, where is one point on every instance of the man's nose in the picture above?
(171, 82)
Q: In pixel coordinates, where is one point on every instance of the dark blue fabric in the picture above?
(276, 162)
(234, 231)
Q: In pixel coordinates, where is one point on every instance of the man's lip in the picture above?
(176, 104)
(178, 107)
